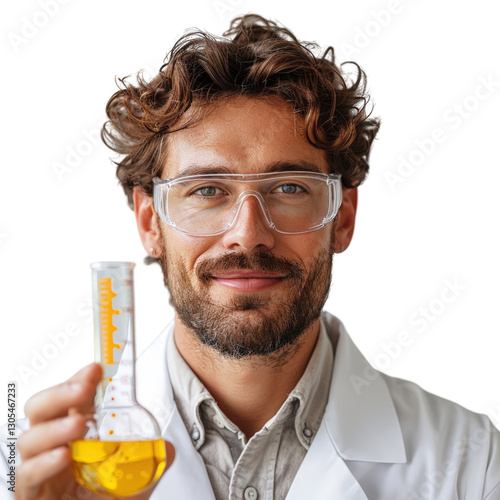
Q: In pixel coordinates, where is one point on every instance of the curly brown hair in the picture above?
(254, 58)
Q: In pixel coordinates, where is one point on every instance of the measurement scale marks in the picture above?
(107, 312)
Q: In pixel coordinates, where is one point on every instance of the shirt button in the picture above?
(218, 422)
(195, 433)
(250, 493)
(307, 432)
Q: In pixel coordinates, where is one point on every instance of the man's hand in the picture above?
(57, 417)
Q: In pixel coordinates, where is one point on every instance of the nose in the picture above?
(250, 229)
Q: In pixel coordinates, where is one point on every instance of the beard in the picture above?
(249, 324)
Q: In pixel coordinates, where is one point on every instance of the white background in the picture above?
(424, 61)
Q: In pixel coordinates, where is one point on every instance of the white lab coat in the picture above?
(381, 438)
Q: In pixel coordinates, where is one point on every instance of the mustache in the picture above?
(257, 261)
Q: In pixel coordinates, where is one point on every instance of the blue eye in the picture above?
(290, 189)
(206, 191)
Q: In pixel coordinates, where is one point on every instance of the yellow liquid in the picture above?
(118, 468)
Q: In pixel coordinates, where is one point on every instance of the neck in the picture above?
(251, 390)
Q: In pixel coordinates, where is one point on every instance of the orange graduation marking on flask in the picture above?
(107, 312)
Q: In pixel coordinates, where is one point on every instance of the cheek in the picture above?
(184, 248)
(306, 247)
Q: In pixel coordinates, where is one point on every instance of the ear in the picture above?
(146, 220)
(344, 225)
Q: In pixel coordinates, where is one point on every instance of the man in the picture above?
(242, 159)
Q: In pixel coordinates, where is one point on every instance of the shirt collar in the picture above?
(360, 416)
(312, 390)
(188, 391)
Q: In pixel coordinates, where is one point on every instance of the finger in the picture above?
(92, 370)
(34, 472)
(170, 454)
(50, 435)
(78, 391)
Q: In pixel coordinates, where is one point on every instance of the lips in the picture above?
(248, 280)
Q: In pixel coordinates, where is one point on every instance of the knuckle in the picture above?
(77, 423)
(79, 392)
(21, 447)
(28, 407)
(45, 465)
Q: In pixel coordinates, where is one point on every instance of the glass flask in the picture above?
(122, 452)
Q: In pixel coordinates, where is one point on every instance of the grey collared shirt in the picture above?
(263, 467)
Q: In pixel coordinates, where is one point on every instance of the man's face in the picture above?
(251, 290)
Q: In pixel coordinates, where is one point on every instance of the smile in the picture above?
(248, 281)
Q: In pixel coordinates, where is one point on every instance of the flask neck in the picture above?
(118, 383)
(119, 391)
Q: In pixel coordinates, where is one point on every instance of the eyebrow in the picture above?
(279, 166)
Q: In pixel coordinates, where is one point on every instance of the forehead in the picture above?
(243, 135)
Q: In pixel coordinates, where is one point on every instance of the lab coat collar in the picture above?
(153, 387)
(360, 415)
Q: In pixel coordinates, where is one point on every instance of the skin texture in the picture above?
(245, 135)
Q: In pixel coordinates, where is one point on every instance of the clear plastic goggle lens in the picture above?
(206, 205)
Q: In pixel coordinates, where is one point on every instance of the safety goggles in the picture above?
(206, 205)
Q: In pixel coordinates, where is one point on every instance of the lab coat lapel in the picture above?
(187, 477)
(360, 423)
(323, 475)
(360, 415)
